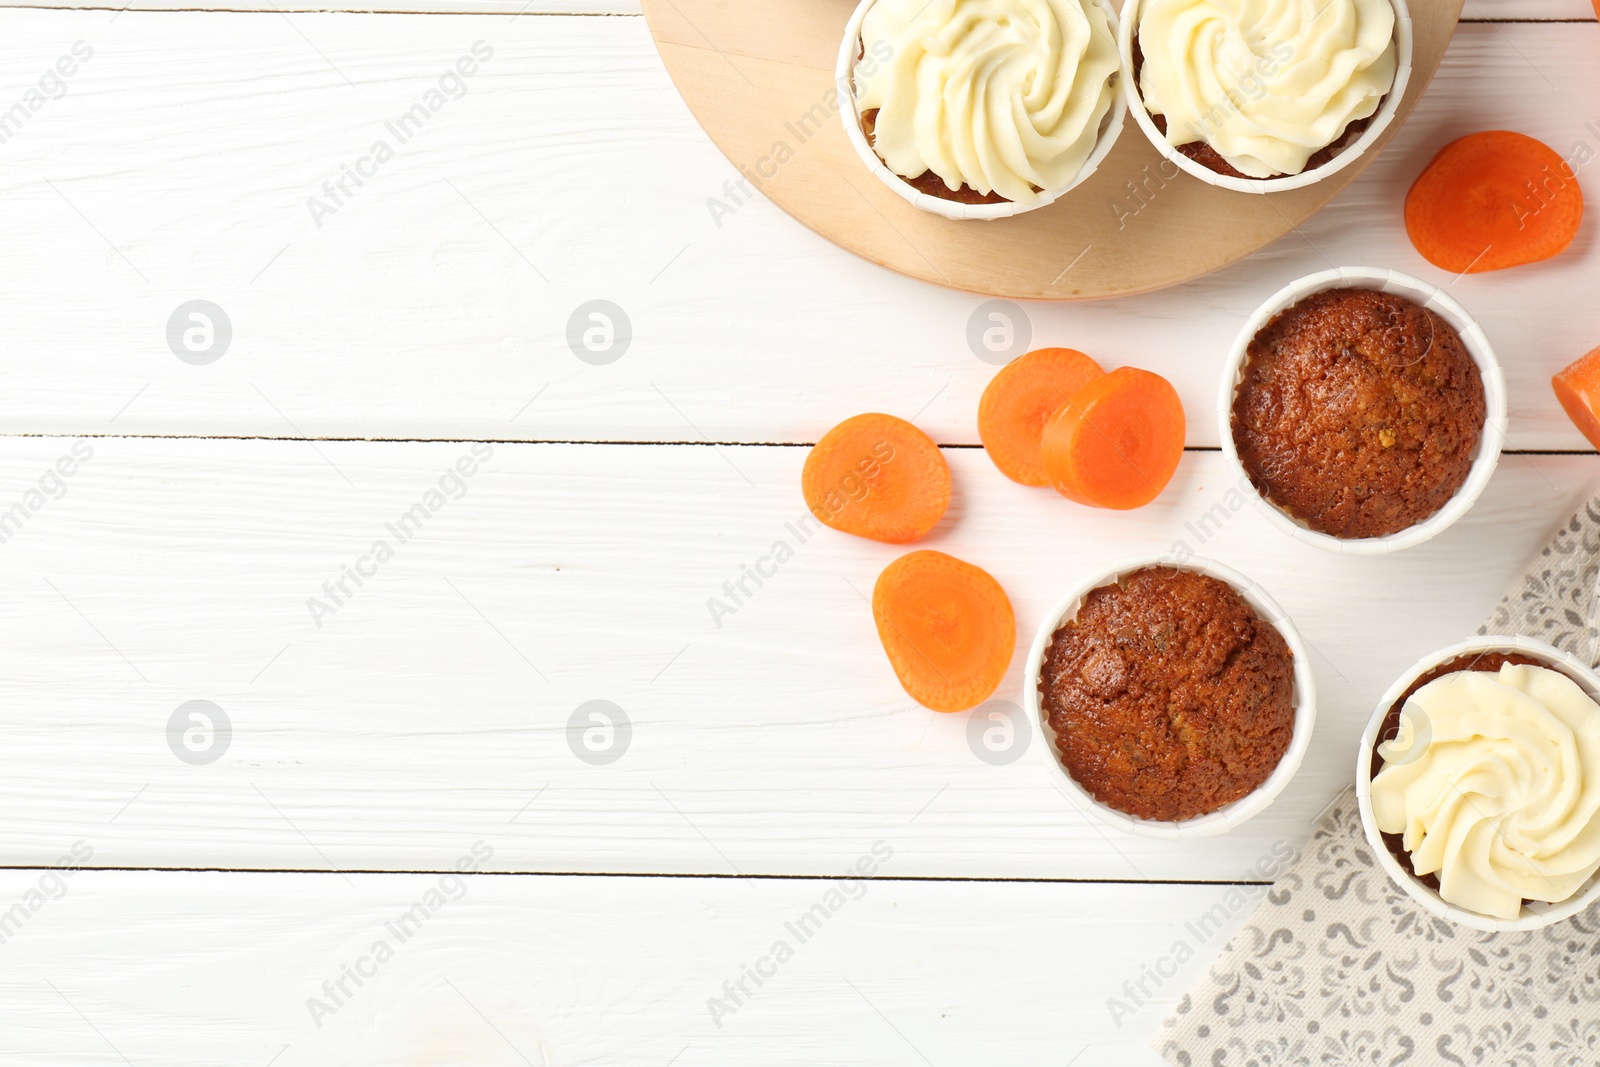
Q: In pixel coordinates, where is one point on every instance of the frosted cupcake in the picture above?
(1258, 93)
(1483, 792)
(981, 108)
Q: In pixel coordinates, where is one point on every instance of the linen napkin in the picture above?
(1338, 966)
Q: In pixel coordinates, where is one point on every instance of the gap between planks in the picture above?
(620, 443)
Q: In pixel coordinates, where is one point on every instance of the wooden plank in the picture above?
(409, 313)
(434, 702)
(199, 969)
(1479, 10)
(1522, 10)
(509, 8)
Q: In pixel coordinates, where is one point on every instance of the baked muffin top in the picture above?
(1358, 412)
(1168, 694)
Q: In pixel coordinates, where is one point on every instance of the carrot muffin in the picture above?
(1527, 739)
(1358, 412)
(1168, 694)
(1209, 158)
(1264, 90)
(985, 101)
(1489, 662)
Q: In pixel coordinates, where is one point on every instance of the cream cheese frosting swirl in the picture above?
(1494, 782)
(1267, 83)
(1003, 96)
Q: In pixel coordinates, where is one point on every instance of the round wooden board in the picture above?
(759, 77)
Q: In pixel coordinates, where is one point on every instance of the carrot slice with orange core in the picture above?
(879, 477)
(1492, 200)
(1577, 386)
(1119, 441)
(1020, 400)
(947, 628)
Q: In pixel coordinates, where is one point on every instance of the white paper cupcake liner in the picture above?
(844, 82)
(1129, 26)
(1534, 916)
(1477, 344)
(1231, 815)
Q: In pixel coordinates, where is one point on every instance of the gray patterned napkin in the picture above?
(1338, 966)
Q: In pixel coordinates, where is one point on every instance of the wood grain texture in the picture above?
(433, 704)
(754, 75)
(408, 315)
(192, 969)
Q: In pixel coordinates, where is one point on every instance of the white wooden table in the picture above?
(420, 720)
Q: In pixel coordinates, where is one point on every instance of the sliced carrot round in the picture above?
(1020, 400)
(947, 627)
(1492, 200)
(1577, 386)
(1119, 441)
(879, 477)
